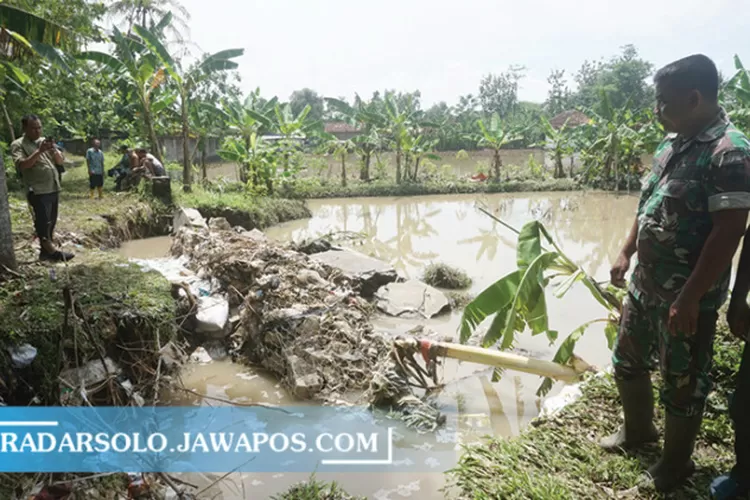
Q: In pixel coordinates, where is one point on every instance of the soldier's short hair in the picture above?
(695, 72)
(28, 119)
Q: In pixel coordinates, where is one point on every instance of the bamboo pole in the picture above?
(506, 360)
(490, 357)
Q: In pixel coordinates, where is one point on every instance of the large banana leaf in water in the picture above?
(518, 300)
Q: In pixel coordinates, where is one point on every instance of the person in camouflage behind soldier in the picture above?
(690, 219)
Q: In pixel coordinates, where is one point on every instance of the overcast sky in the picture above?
(339, 47)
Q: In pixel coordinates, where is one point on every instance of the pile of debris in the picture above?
(302, 317)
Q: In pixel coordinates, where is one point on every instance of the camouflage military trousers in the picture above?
(684, 361)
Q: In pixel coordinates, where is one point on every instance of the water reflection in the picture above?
(412, 232)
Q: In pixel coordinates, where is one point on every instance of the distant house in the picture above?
(341, 130)
(573, 117)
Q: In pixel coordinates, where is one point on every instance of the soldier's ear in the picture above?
(695, 99)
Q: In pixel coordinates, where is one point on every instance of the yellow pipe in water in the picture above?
(506, 360)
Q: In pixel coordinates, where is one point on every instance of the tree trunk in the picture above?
(398, 165)
(7, 253)
(572, 164)
(617, 172)
(8, 121)
(203, 158)
(497, 163)
(364, 173)
(416, 168)
(187, 167)
(559, 172)
(149, 122)
(343, 170)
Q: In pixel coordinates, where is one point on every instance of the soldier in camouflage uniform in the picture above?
(736, 484)
(691, 217)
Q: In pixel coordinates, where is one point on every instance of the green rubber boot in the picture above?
(638, 406)
(675, 465)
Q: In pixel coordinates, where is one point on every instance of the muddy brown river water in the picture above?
(410, 233)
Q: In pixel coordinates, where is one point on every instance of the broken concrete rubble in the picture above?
(219, 224)
(255, 234)
(188, 217)
(365, 273)
(200, 355)
(411, 298)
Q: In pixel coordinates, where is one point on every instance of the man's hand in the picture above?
(738, 317)
(619, 268)
(46, 146)
(683, 315)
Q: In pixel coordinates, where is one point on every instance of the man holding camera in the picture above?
(40, 164)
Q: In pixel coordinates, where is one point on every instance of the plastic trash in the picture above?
(203, 292)
(137, 486)
(52, 275)
(212, 315)
(23, 355)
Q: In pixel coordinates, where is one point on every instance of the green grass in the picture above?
(242, 209)
(312, 489)
(90, 222)
(558, 457)
(123, 216)
(444, 276)
(118, 305)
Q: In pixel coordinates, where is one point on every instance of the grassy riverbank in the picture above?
(558, 457)
(119, 217)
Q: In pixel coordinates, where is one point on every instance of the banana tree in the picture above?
(141, 72)
(401, 126)
(185, 82)
(248, 117)
(23, 36)
(618, 138)
(419, 148)
(736, 95)
(340, 150)
(204, 123)
(518, 300)
(495, 137)
(292, 127)
(258, 161)
(559, 143)
(365, 116)
(248, 120)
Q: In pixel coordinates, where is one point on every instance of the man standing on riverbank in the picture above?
(736, 484)
(691, 217)
(95, 162)
(37, 159)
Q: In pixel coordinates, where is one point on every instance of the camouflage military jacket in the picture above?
(690, 179)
